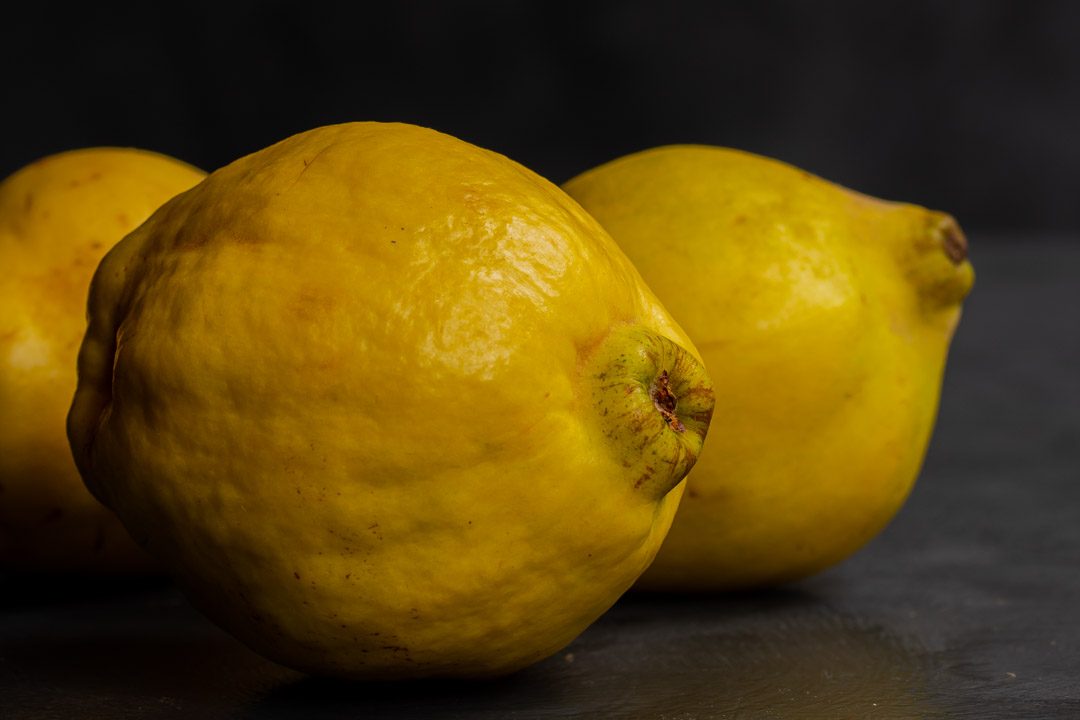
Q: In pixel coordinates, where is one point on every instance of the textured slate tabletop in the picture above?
(967, 606)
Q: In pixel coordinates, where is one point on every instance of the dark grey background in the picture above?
(971, 106)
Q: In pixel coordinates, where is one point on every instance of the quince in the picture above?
(58, 217)
(824, 317)
(387, 404)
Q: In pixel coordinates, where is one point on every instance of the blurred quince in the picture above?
(58, 217)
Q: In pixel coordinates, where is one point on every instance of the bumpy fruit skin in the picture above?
(58, 217)
(351, 389)
(824, 317)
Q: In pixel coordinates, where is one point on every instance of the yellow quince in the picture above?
(58, 217)
(387, 404)
(824, 317)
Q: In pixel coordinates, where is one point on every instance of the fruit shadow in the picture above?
(31, 589)
(437, 699)
(96, 655)
(779, 653)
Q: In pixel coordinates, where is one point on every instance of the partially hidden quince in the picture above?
(824, 317)
(387, 404)
(58, 217)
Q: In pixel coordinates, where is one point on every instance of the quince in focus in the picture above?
(387, 404)
(58, 217)
(824, 317)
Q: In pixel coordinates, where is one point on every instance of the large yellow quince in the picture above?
(824, 317)
(58, 217)
(388, 404)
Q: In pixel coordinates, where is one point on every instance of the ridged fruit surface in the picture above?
(387, 404)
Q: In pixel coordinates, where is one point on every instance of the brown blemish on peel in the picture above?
(665, 401)
(632, 370)
(645, 476)
(311, 304)
(954, 241)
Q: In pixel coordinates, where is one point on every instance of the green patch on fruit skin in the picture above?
(652, 403)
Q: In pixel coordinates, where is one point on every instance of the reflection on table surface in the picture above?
(141, 650)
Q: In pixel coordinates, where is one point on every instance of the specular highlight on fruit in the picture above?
(348, 391)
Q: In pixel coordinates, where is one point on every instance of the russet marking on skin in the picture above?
(653, 403)
(954, 241)
(666, 402)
